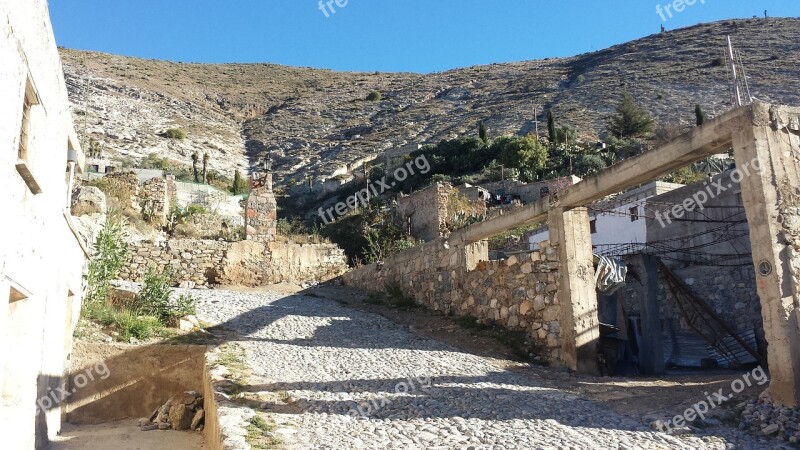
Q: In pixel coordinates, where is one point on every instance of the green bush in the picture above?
(154, 298)
(175, 133)
(109, 256)
(374, 96)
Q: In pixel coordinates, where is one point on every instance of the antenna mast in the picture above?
(740, 88)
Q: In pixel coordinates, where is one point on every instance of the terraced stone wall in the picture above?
(519, 293)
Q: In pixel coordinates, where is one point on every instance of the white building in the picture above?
(617, 221)
(41, 259)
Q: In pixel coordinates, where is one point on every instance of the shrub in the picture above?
(175, 133)
(154, 298)
(718, 62)
(374, 96)
(110, 253)
(153, 161)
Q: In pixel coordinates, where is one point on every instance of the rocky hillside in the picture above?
(318, 125)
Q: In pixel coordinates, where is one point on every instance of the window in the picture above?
(634, 213)
(593, 226)
(27, 104)
(23, 150)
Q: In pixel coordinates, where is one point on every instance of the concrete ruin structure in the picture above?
(41, 257)
(766, 145)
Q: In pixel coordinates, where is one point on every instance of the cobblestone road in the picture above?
(362, 381)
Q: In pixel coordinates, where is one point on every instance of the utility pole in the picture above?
(536, 122)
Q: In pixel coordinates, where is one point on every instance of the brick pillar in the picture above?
(580, 327)
(767, 153)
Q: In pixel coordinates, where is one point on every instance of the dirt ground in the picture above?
(124, 435)
(641, 398)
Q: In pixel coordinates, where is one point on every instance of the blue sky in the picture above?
(369, 35)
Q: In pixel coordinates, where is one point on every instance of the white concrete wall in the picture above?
(37, 249)
(613, 218)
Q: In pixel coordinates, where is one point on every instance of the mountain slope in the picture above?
(318, 124)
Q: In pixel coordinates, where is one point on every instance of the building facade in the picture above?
(41, 259)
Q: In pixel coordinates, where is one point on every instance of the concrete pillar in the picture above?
(580, 327)
(767, 153)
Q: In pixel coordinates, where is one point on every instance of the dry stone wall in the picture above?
(519, 293)
(154, 199)
(245, 263)
(196, 261)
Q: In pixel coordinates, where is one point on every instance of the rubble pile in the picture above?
(181, 412)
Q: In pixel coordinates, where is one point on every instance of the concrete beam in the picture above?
(711, 138)
(527, 215)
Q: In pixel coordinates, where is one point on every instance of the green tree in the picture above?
(565, 135)
(588, 164)
(521, 152)
(699, 115)
(551, 126)
(205, 167)
(195, 158)
(483, 133)
(630, 121)
(240, 185)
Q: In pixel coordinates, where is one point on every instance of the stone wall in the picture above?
(424, 213)
(520, 293)
(197, 261)
(129, 181)
(246, 263)
(299, 263)
(261, 213)
(154, 199)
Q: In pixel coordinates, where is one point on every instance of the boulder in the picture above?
(198, 417)
(88, 200)
(180, 416)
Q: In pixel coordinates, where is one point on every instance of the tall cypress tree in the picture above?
(483, 133)
(551, 126)
(699, 114)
